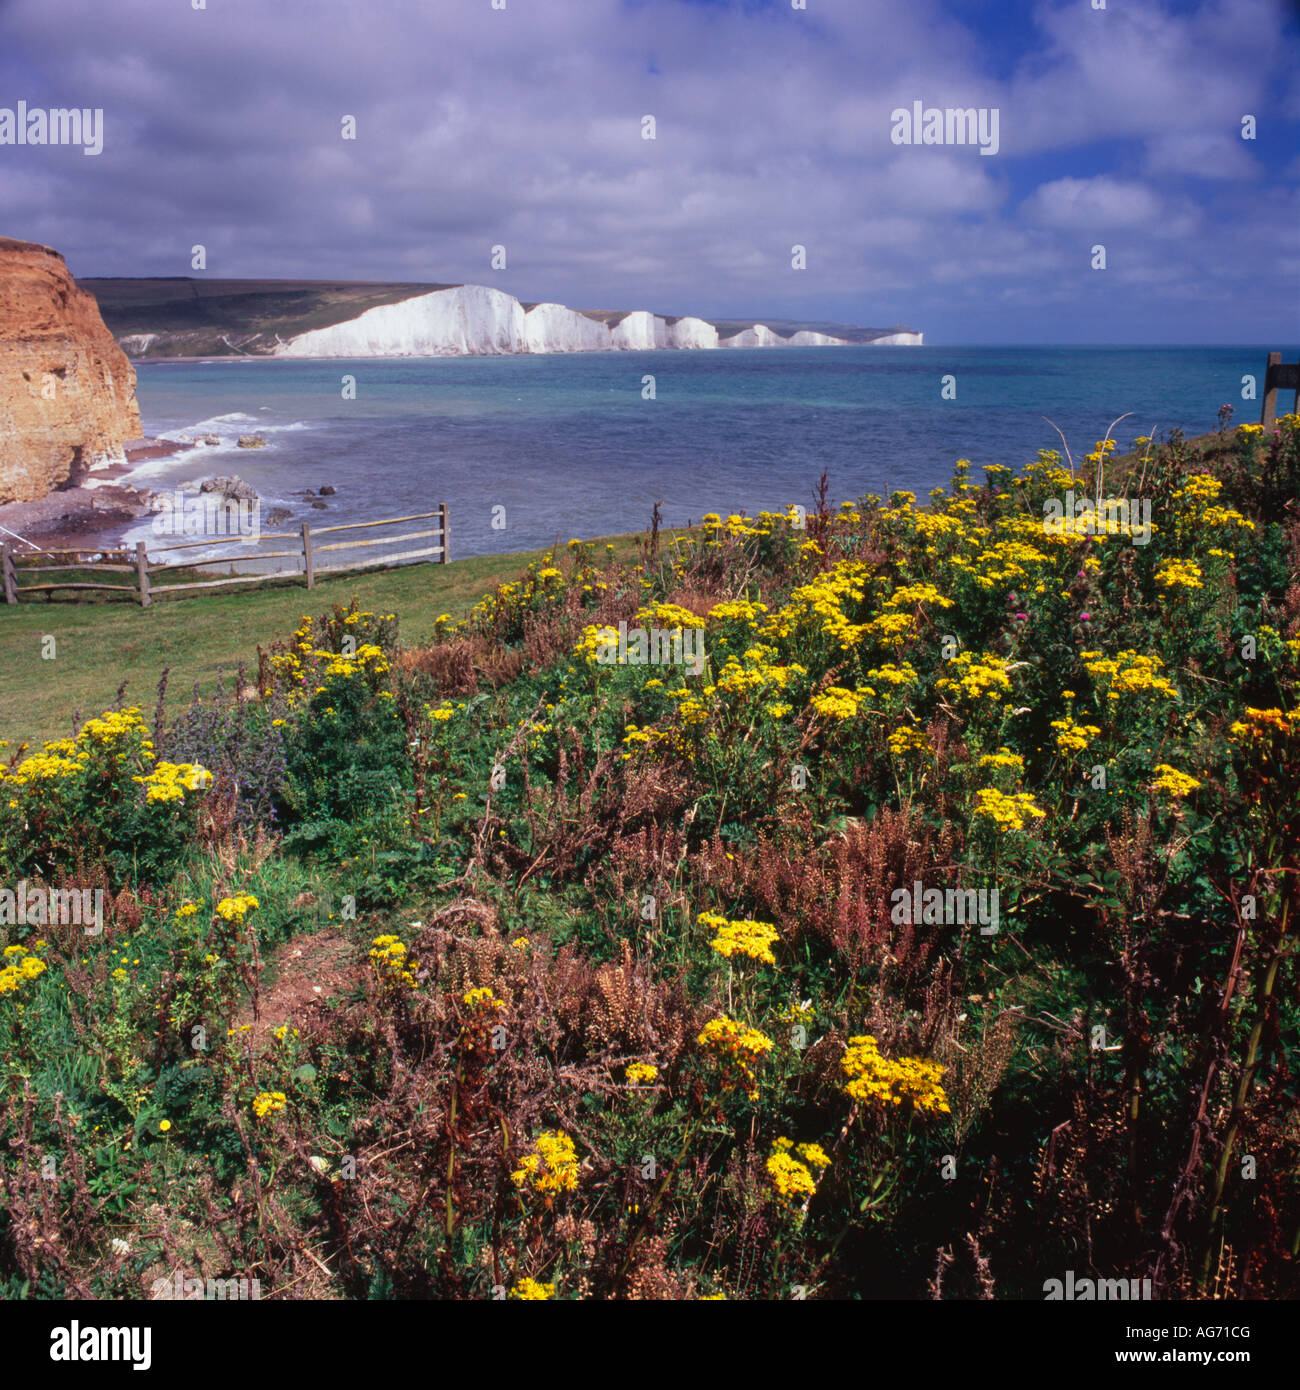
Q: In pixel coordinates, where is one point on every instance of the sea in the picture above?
(528, 451)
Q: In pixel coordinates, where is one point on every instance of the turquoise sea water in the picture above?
(569, 447)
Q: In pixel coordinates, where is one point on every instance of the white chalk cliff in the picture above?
(473, 320)
(570, 331)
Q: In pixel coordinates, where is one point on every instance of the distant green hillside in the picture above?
(213, 318)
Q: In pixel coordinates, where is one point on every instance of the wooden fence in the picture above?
(141, 566)
(1278, 376)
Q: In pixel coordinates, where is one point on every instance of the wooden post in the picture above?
(1278, 377)
(142, 573)
(442, 521)
(1268, 412)
(308, 564)
(8, 569)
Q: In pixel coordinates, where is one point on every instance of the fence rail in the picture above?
(15, 564)
(1278, 376)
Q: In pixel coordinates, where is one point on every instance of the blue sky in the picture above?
(522, 128)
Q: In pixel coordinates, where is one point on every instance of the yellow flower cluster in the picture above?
(237, 908)
(1072, 737)
(552, 1167)
(303, 660)
(755, 671)
(913, 595)
(1225, 516)
(641, 1074)
(530, 1291)
(47, 766)
(111, 728)
(369, 659)
(690, 708)
(890, 629)
(389, 956)
(517, 596)
(742, 938)
(737, 1048)
(1004, 757)
(977, 677)
(881, 1081)
(668, 617)
(481, 998)
(117, 734)
(889, 674)
(1178, 574)
(737, 525)
(1175, 783)
(19, 965)
(1201, 488)
(633, 735)
(1006, 812)
(592, 639)
(1129, 673)
(267, 1103)
(1262, 726)
(907, 738)
(170, 781)
(737, 610)
(792, 1176)
(823, 603)
(837, 703)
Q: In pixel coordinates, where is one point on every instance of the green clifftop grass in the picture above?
(99, 645)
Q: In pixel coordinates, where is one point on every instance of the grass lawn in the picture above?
(98, 645)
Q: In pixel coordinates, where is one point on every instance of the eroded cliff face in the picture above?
(67, 391)
(473, 319)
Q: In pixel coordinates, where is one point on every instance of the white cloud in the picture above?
(1202, 154)
(1092, 205)
(523, 127)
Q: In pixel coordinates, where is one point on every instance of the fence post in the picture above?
(1268, 414)
(8, 569)
(142, 573)
(442, 521)
(1278, 377)
(308, 564)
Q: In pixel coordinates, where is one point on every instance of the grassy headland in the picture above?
(935, 939)
(102, 644)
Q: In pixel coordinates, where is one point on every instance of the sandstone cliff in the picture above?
(67, 391)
